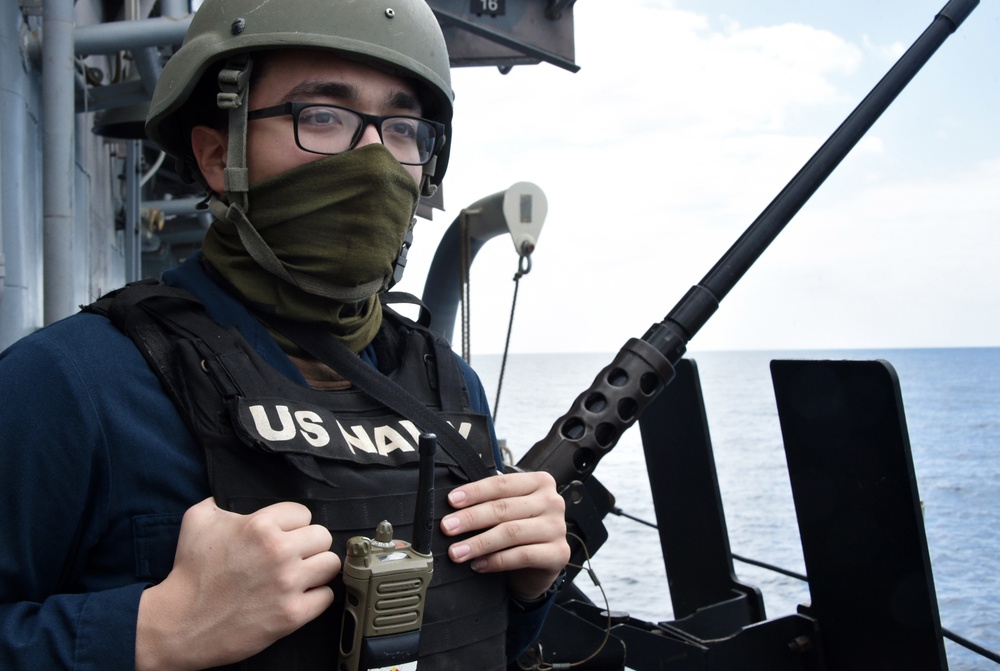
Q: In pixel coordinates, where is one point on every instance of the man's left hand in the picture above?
(523, 524)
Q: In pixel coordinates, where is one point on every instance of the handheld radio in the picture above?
(386, 583)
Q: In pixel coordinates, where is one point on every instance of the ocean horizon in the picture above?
(951, 400)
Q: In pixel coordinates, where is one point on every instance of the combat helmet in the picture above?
(401, 37)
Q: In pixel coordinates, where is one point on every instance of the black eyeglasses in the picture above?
(332, 129)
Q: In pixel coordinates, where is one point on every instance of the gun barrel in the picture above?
(591, 428)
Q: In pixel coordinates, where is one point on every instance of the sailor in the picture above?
(180, 468)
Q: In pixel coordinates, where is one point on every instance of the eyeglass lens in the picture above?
(332, 130)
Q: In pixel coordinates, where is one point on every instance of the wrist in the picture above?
(154, 635)
(529, 604)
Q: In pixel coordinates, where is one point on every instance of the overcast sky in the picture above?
(685, 120)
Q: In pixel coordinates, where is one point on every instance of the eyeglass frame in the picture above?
(295, 108)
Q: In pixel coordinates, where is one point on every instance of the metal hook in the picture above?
(524, 265)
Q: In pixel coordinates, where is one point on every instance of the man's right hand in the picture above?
(239, 583)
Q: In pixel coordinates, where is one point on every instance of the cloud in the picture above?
(676, 133)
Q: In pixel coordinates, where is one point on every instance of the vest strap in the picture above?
(335, 354)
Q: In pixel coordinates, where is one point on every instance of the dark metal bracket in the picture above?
(859, 514)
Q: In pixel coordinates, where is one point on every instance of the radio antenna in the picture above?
(423, 517)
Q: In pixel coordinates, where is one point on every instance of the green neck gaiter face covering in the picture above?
(320, 241)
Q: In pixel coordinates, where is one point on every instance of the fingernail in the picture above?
(459, 552)
(479, 565)
(456, 496)
(450, 523)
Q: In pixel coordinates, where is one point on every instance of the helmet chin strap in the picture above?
(233, 94)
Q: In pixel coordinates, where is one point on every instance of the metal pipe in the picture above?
(58, 142)
(519, 210)
(115, 36)
(147, 62)
(133, 204)
(175, 8)
(109, 38)
(175, 206)
(442, 289)
(3, 266)
(21, 310)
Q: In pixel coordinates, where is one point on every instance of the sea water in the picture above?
(952, 405)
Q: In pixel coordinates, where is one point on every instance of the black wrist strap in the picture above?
(527, 606)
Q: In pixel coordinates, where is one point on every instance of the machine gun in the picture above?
(716, 632)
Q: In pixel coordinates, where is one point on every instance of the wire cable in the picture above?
(540, 664)
(523, 268)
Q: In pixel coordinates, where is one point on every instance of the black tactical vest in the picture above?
(351, 460)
